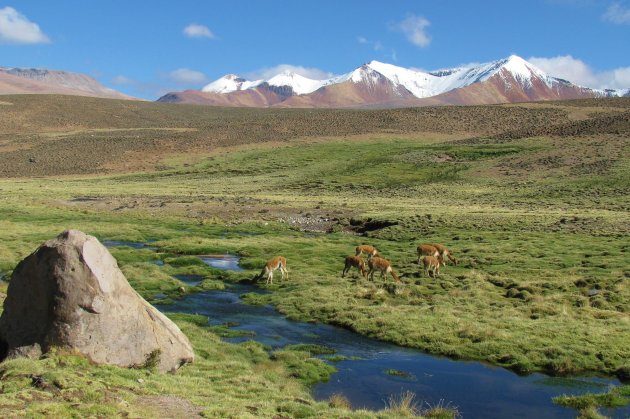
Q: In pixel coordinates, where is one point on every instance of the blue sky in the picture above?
(149, 48)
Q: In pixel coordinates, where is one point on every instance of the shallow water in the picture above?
(225, 262)
(476, 389)
(133, 245)
(192, 280)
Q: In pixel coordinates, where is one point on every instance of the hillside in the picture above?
(52, 135)
(43, 81)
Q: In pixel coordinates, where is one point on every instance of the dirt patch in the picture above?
(232, 209)
(369, 224)
(168, 407)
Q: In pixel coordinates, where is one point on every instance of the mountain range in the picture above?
(43, 81)
(372, 85)
(378, 84)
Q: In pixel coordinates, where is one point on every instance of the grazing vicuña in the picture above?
(383, 265)
(277, 262)
(356, 262)
(432, 265)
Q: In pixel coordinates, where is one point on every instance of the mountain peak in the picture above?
(299, 84)
(233, 77)
(511, 78)
(229, 83)
(524, 71)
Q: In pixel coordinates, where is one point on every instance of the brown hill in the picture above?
(41, 81)
(44, 135)
(505, 88)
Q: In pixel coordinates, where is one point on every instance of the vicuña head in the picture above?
(277, 262)
(379, 264)
(369, 250)
(432, 265)
(445, 252)
(354, 262)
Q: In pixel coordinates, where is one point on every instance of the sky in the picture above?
(148, 48)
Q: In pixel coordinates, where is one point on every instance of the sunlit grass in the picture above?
(541, 284)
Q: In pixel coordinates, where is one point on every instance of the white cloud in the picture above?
(122, 80)
(414, 27)
(268, 72)
(376, 45)
(198, 31)
(15, 28)
(618, 14)
(578, 72)
(187, 76)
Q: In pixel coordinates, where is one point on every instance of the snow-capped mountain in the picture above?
(511, 79)
(230, 83)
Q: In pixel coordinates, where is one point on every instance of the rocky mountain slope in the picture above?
(43, 81)
(378, 84)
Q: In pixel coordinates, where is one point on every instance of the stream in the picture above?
(476, 389)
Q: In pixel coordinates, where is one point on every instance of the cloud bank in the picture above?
(187, 76)
(415, 29)
(198, 31)
(15, 28)
(618, 14)
(578, 72)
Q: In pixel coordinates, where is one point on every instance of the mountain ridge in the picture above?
(375, 84)
(17, 80)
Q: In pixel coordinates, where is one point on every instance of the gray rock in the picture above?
(71, 294)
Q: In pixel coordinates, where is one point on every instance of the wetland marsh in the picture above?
(538, 219)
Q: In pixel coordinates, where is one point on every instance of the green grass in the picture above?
(219, 383)
(587, 404)
(542, 283)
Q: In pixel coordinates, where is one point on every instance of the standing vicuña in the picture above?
(445, 253)
(370, 251)
(427, 250)
(356, 262)
(277, 262)
(432, 265)
(383, 265)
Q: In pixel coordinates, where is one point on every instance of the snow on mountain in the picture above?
(428, 84)
(420, 84)
(229, 83)
(510, 79)
(301, 85)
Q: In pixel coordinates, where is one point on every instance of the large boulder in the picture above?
(71, 294)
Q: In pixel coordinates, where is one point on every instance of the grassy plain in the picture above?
(532, 199)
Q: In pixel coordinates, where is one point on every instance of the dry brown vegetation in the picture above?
(43, 135)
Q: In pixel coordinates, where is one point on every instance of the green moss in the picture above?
(303, 367)
(399, 373)
(311, 348)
